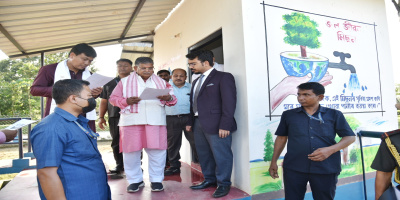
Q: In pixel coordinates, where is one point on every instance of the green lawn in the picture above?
(261, 181)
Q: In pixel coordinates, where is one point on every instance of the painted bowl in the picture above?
(295, 65)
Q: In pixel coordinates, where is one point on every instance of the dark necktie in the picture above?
(196, 93)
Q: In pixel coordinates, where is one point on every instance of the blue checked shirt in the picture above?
(183, 104)
(307, 134)
(58, 142)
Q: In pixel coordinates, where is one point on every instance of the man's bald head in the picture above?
(179, 77)
(179, 69)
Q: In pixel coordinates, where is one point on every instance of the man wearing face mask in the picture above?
(69, 165)
(75, 67)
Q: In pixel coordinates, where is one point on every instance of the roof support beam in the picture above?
(11, 38)
(135, 13)
(397, 5)
(141, 52)
(69, 47)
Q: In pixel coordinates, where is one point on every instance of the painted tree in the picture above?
(268, 146)
(301, 30)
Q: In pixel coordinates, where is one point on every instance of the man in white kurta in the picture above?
(142, 124)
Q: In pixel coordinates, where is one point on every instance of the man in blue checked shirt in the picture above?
(69, 165)
(177, 116)
(312, 153)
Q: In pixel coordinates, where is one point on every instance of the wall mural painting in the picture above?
(314, 55)
(340, 54)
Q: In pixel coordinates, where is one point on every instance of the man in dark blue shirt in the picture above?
(312, 154)
(69, 165)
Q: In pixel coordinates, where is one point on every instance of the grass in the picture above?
(261, 181)
(356, 168)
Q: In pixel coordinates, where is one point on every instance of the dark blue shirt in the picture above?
(58, 142)
(305, 135)
(113, 111)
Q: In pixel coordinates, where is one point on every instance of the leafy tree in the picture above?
(16, 78)
(268, 146)
(301, 30)
(55, 57)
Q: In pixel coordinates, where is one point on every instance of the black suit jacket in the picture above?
(216, 102)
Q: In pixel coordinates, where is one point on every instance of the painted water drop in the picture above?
(354, 84)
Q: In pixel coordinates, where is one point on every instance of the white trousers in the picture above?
(132, 165)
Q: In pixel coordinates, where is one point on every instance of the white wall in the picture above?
(370, 11)
(366, 11)
(191, 22)
(394, 36)
(242, 24)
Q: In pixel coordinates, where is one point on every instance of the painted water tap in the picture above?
(342, 65)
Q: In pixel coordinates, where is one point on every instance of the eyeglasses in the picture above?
(192, 64)
(146, 68)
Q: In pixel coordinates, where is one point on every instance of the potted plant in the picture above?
(302, 31)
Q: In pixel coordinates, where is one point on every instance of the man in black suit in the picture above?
(212, 108)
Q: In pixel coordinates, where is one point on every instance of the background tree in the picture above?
(268, 146)
(301, 30)
(55, 57)
(16, 78)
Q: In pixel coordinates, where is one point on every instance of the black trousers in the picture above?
(323, 186)
(175, 126)
(114, 131)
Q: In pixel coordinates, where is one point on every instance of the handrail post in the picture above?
(29, 138)
(362, 162)
(20, 144)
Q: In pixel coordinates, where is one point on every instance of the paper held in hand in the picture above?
(19, 124)
(152, 94)
(98, 80)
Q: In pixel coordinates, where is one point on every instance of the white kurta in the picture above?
(151, 112)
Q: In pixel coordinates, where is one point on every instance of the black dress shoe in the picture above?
(116, 176)
(116, 170)
(221, 191)
(202, 185)
(171, 171)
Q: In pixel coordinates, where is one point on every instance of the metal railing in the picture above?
(371, 134)
(9, 121)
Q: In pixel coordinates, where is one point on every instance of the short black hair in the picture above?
(62, 89)
(202, 55)
(179, 69)
(317, 88)
(124, 60)
(83, 48)
(163, 71)
(143, 60)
